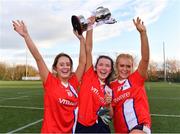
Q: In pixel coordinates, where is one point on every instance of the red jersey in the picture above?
(60, 105)
(91, 98)
(130, 103)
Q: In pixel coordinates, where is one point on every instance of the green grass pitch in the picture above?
(21, 106)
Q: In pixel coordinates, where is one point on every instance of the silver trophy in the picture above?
(102, 16)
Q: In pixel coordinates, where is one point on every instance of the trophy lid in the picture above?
(76, 24)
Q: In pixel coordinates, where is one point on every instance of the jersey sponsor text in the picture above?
(67, 102)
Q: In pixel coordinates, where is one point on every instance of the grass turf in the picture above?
(21, 104)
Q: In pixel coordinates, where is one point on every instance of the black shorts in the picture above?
(84, 129)
(142, 127)
(99, 127)
(139, 127)
(102, 127)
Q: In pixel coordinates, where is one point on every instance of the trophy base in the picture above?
(76, 24)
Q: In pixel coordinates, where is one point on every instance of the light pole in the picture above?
(164, 56)
(26, 64)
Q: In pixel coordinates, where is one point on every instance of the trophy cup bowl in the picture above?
(102, 16)
(79, 24)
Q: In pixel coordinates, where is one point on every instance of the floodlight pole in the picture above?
(164, 56)
(26, 64)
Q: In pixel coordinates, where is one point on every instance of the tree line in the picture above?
(16, 72)
(155, 71)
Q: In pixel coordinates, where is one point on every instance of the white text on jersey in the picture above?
(67, 102)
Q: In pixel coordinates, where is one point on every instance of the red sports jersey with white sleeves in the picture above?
(91, 98)
(60, 105)
(130, 103)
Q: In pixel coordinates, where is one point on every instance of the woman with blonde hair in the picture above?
(130, 104)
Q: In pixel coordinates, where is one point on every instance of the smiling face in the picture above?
(103, 68)
(124, 66)
(63, 66)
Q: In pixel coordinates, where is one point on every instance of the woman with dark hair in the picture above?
(60, 91)
(95, 95)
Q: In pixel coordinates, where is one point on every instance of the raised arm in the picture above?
(89, 46)
(144, 62)
(82, 57)
(20, 28)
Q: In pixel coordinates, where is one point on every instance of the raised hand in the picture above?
(80, 37)
(139, 25)
(20, 28)
(91, 20)
(108, 98)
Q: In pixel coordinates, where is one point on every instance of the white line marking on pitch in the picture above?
(21, 107)
(26, 126)
(166, 115)
(39, 108)
(14, 98)
(165, 98)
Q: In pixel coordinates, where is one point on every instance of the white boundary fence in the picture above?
(31, 78)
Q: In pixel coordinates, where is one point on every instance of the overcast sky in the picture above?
(49, 24)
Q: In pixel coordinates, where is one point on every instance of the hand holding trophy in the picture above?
(102, 16)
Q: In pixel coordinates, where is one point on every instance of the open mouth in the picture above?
(103, 73)
(65, 71)
(124, 73)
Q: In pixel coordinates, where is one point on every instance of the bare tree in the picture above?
(173, 69)
(2, 70)
(153, 71)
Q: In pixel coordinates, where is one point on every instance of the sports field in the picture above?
(21, 106)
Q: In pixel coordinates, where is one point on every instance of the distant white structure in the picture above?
(31, 78)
